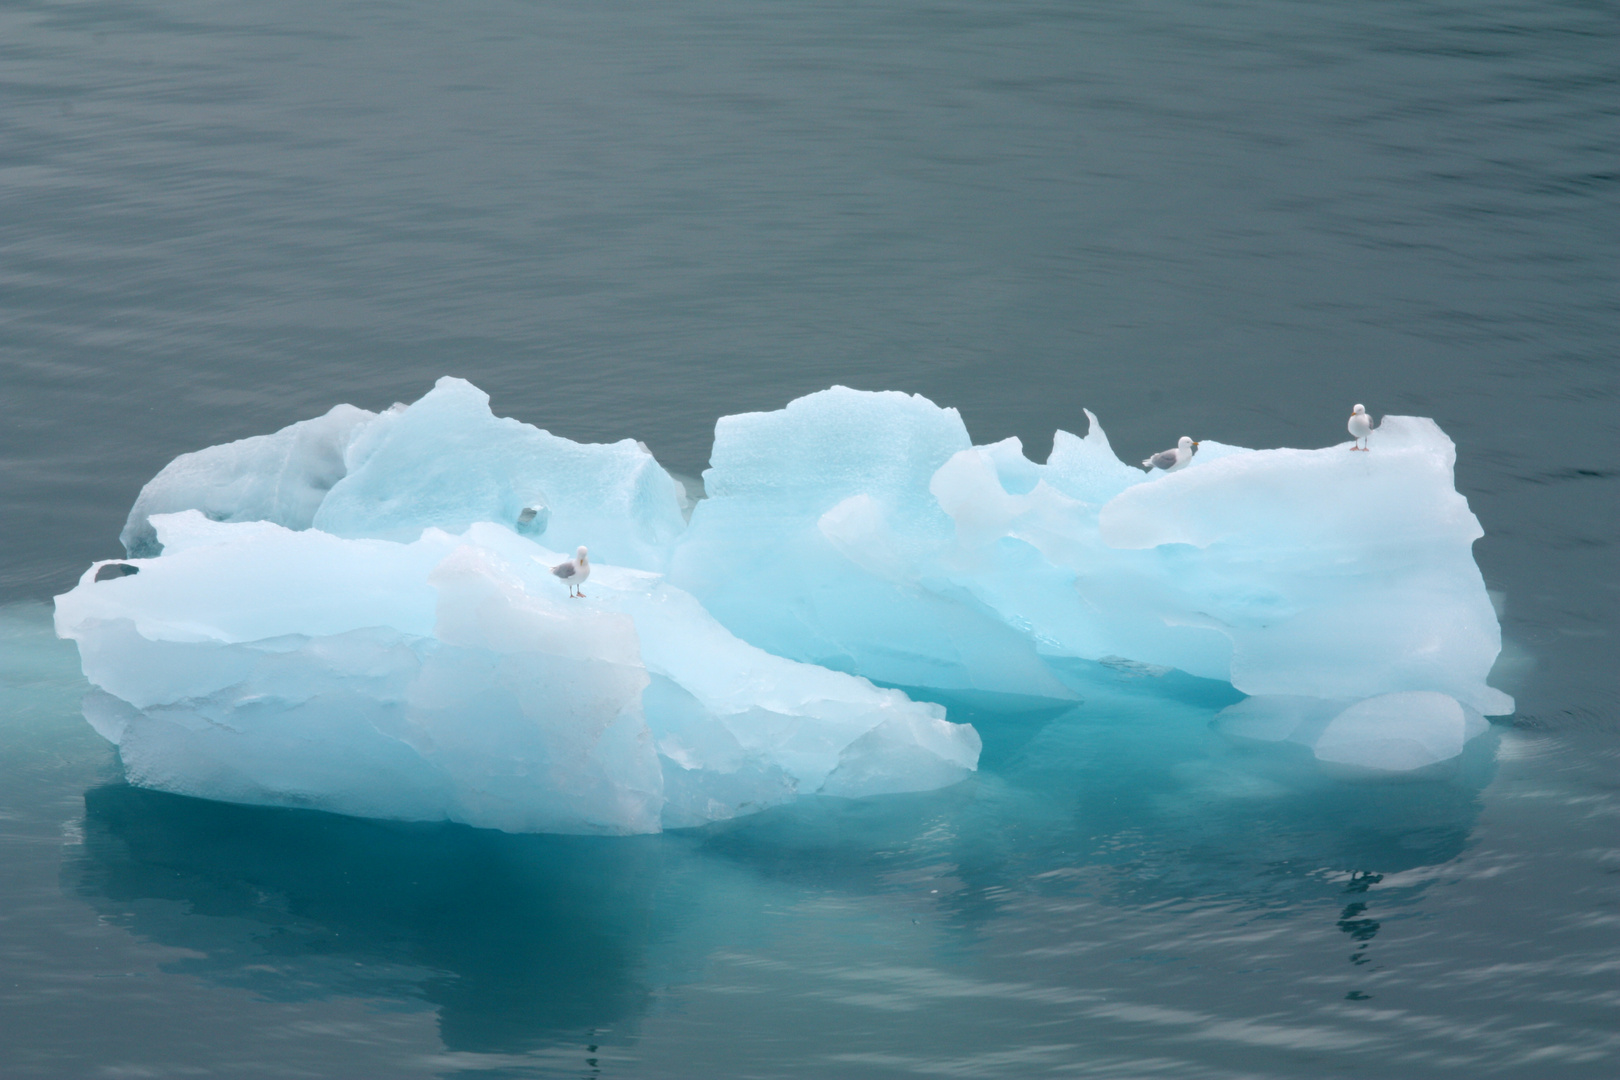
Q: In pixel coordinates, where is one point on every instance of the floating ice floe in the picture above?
(453, 678)
(354, 613)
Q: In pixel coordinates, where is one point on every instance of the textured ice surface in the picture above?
(864, 531)
(281, 478)
(444, 461)
(447, 462)
(452, 677)
(818, 535)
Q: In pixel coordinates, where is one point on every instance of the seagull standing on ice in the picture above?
(1171, 460)
(1360, 426)
(574, 572)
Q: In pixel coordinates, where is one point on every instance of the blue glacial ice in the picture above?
(280, 477)
(452, 678)
(444, 462)
(919, 559)
(355, 613)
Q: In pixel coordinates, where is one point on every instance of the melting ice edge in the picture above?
(356, 612)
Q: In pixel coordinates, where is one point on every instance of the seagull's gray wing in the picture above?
(1164, 459)
(565, 570)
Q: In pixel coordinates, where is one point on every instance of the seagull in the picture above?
(1360, 426)
(1170, 460)
(574, 572)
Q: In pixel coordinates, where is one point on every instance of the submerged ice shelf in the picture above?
(355, 613)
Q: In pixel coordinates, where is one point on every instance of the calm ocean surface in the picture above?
(629, 218)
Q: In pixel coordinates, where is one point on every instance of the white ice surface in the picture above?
(452, 677)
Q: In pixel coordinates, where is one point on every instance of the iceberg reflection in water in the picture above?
(1081, 819)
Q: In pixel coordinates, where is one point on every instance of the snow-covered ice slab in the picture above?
(452, 678)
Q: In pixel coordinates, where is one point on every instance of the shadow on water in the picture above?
(1127, 800)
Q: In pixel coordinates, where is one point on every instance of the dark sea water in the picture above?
(630, 218)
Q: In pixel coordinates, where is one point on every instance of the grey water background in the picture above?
(627, 219)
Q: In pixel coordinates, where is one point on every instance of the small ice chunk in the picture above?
(1399, 732)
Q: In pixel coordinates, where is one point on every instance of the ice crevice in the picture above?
(356, 613)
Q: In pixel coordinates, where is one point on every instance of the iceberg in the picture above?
(450, 677)
(355, 612)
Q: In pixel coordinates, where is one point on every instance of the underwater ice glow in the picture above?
(356, 614)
